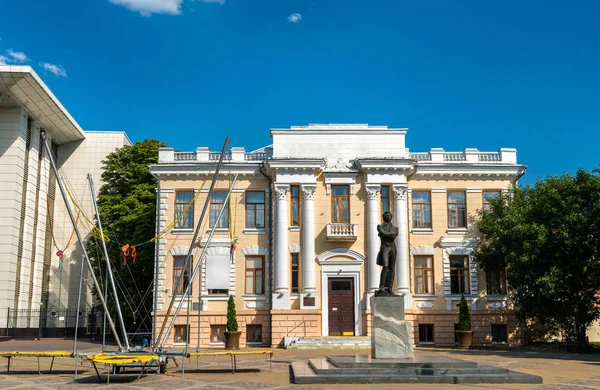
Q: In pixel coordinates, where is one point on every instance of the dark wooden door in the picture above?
(341, 306)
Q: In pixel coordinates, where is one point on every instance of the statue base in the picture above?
(392, 336)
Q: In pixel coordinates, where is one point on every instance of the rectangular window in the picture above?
(424, 274)
(340, 204)
(385, 199)
(499, 333)
(459, 275)
(255, 209)
(487, 195)
(216, 202)
(181, 333)
(426, 333)
(295, 199)
(421, 205)
(255, 271)
(295, 268)
(495, 280)
(457, 209)
(218, 291)
(178, 270)
(254, 333)
(182, 200)
(217, 334)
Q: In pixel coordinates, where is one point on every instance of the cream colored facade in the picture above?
(320, 273)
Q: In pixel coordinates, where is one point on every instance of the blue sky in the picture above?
(458, 74)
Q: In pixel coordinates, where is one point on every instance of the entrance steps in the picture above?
(331, 342)
(420, 369)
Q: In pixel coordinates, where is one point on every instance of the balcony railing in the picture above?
(341, 231)
(204, 154)
(185, 156)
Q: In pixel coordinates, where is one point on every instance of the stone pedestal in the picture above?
(392, 336)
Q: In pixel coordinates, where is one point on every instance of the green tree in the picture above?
(546, 238)
(464, 318)
(232, 325)
(127, 207)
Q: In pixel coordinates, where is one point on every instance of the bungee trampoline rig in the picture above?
(125, 358)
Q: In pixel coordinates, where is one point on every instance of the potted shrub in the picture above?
(463, 332)
(232, 335)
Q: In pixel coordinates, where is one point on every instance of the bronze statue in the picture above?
(387, 255)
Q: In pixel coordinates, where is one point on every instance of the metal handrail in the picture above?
(294, 328)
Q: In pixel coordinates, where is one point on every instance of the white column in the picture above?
(372, 237)
(281, 292)
(402, 266)
(308, 239)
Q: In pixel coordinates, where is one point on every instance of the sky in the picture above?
(458, 74)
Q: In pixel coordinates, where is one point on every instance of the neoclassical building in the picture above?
(298, 242)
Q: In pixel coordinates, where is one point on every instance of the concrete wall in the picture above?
(75, 161)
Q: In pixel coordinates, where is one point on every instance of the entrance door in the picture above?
(341, 306)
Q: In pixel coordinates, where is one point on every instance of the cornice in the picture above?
(469, 171)
(200, 169)
(385, 164)
(302, 164)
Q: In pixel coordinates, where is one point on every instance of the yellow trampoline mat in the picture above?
(37, 354)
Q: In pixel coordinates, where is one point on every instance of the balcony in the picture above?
(341, 232)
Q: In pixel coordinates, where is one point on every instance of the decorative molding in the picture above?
(373, 192)
(281, 191)
(342, 178)
(423, 250)
(255, 250)
(181, 250)
(461, 242)
(218, 251)
(400, 192)
(439, 190)
(308, 192)
(425, 304)
(295, 248)
(354, 256)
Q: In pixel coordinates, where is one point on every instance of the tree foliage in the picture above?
(464, 318)
(232, 325)
(127, 207)
(546, 238)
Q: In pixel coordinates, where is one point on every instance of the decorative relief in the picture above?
(400, 192)
(308, 192)
(282, 191)
(496, 305)
(373, 192)
(339, 165)
(295, 248)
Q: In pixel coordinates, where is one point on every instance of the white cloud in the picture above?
(294, 18)
(3, 60)
(149, 7)
(55, 69)
(214, 1)
(16, 56)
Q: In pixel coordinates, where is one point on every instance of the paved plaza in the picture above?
(560, 371)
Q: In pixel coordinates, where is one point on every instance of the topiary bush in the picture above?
(464, 318)
(232, 325)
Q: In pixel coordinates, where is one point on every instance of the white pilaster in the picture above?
(281, 292)
(308, 239)
(373, 239)
(402, 266)
(309, 286)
